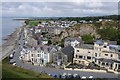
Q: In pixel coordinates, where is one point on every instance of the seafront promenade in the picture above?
(9, 44)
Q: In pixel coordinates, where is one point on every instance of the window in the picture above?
(99, 62)
(105, 46)
(32, 59)
(99, 54)
(106, 54)
(111, 55)
(103, 63)
(118, 50)
(38, 55)
(76, 56)
(77, 50)
(88, 57)
(95, 54)
(95, 60)
(88, 51)
(80, 56)
(106, 64)
(32, 55)
(75, 60)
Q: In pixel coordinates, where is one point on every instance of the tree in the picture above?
(49, 42)
(88, 38)
(109, 33)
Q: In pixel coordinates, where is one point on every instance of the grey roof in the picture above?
(12, 60)
(100, 42)
(68, 50)
(73, 39)
(108, 60)
(85, 46)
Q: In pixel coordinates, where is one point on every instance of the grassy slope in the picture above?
(9, 71)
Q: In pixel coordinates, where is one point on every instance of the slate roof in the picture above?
(73, 39)
(68, 50)
(108, 60)
(85, 46)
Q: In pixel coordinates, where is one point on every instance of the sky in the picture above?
(58, 9)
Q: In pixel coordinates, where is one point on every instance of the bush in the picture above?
(109, 33)
(88, 39)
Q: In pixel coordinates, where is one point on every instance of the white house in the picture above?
(72, 41)
(101, 53)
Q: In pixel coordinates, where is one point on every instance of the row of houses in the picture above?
(43, 54)
(105, 54)
(102, 53)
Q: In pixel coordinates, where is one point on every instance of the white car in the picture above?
(83, 77)
(64, 75)
(14, 64)
(90, 77)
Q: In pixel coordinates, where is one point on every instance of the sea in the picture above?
(8, 26)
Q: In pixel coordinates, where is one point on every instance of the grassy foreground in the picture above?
(9, 71)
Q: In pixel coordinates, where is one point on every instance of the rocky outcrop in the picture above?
(80, 30)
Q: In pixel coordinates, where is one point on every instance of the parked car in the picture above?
(83, 77)
(14, 63)
(64, 75)
(76, 76)
(69, 75)
(11, 56)
(90, 77)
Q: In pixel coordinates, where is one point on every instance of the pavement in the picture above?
(53, 70)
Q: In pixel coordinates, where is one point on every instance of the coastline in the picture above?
(9, 44)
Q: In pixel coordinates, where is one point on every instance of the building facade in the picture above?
(101, 53)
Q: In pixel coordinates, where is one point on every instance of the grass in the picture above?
(10, 71)
(33, 23)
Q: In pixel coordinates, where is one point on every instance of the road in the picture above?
(8, 46)
(53, 70)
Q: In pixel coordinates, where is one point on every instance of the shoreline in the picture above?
(9, 44)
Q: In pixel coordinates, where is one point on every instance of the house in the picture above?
(57, 30)
(69, 51)
(59, 58)
(31, 41)
(39, 55)
(102, 53)
(107, 55)
(83, 54)
(72, 41)
(42, 41)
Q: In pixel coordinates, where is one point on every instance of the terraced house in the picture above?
(103, 53)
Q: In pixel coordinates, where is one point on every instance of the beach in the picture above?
(10, 43)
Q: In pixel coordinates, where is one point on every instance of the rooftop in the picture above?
(85, 46)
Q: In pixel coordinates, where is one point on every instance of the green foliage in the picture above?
(9, 71)
(33, 23)
(109, 33)
(88, 38)
(49, 42)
